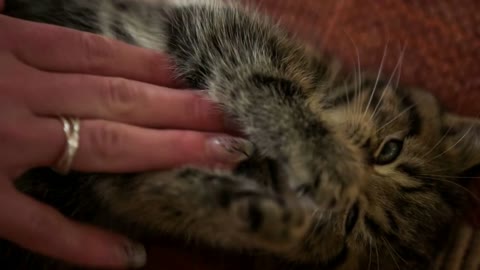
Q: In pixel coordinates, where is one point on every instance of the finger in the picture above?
(114, 147)
(79, 52)
(42, 229)
(117, 99)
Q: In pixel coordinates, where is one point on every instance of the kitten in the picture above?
(350, 171)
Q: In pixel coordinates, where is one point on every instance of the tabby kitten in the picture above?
(350, 171)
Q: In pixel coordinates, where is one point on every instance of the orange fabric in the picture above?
(441, 40)
(442, 55)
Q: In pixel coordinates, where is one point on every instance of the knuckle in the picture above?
(190, 145)
(159, 68)
(122, 96)
(106, 140)
(96, 51)
(153, 65)
(188, 139)
(199, 108)
(11, 133)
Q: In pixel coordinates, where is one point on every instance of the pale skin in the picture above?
(128, 103)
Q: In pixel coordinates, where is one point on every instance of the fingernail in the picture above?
(231, 149)
(135, 254)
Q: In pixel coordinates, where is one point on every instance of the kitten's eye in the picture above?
(390, 151)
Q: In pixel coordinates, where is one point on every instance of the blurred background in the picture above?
(441, 39)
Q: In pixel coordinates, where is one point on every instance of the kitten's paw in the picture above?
(271, 219)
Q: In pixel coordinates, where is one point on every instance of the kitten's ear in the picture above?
(462, 140)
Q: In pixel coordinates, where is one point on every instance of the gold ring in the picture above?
(71, 128)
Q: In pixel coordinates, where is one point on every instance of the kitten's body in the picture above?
(333, 194)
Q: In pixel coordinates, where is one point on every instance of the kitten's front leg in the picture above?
(264, 81)
(274, 111)
(220, 209)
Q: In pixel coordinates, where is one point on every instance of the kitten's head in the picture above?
(414, 156)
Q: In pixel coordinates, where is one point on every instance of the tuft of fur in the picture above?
(323, 190)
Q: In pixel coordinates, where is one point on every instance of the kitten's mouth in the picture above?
(268, 172)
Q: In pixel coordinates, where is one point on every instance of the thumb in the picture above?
(40, 228)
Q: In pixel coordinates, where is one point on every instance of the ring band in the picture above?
(71, 128)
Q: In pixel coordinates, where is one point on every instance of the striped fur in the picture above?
(351, 172)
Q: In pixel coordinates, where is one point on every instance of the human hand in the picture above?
(127, 124)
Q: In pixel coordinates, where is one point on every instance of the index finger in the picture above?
(74, 51)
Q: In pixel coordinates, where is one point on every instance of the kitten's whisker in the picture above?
(370, 254)
(358, 77)
(348, 108)
(394, 251)
(376, 81)
(457, 185)
(390, 252)
(317, 222)
(395, 70)
(402, 57)
(455, 144)
(452, 177)
(437, 144)
(378, 104)
(378, 256)
(396, 117)
(358, 87)
(347, 94)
